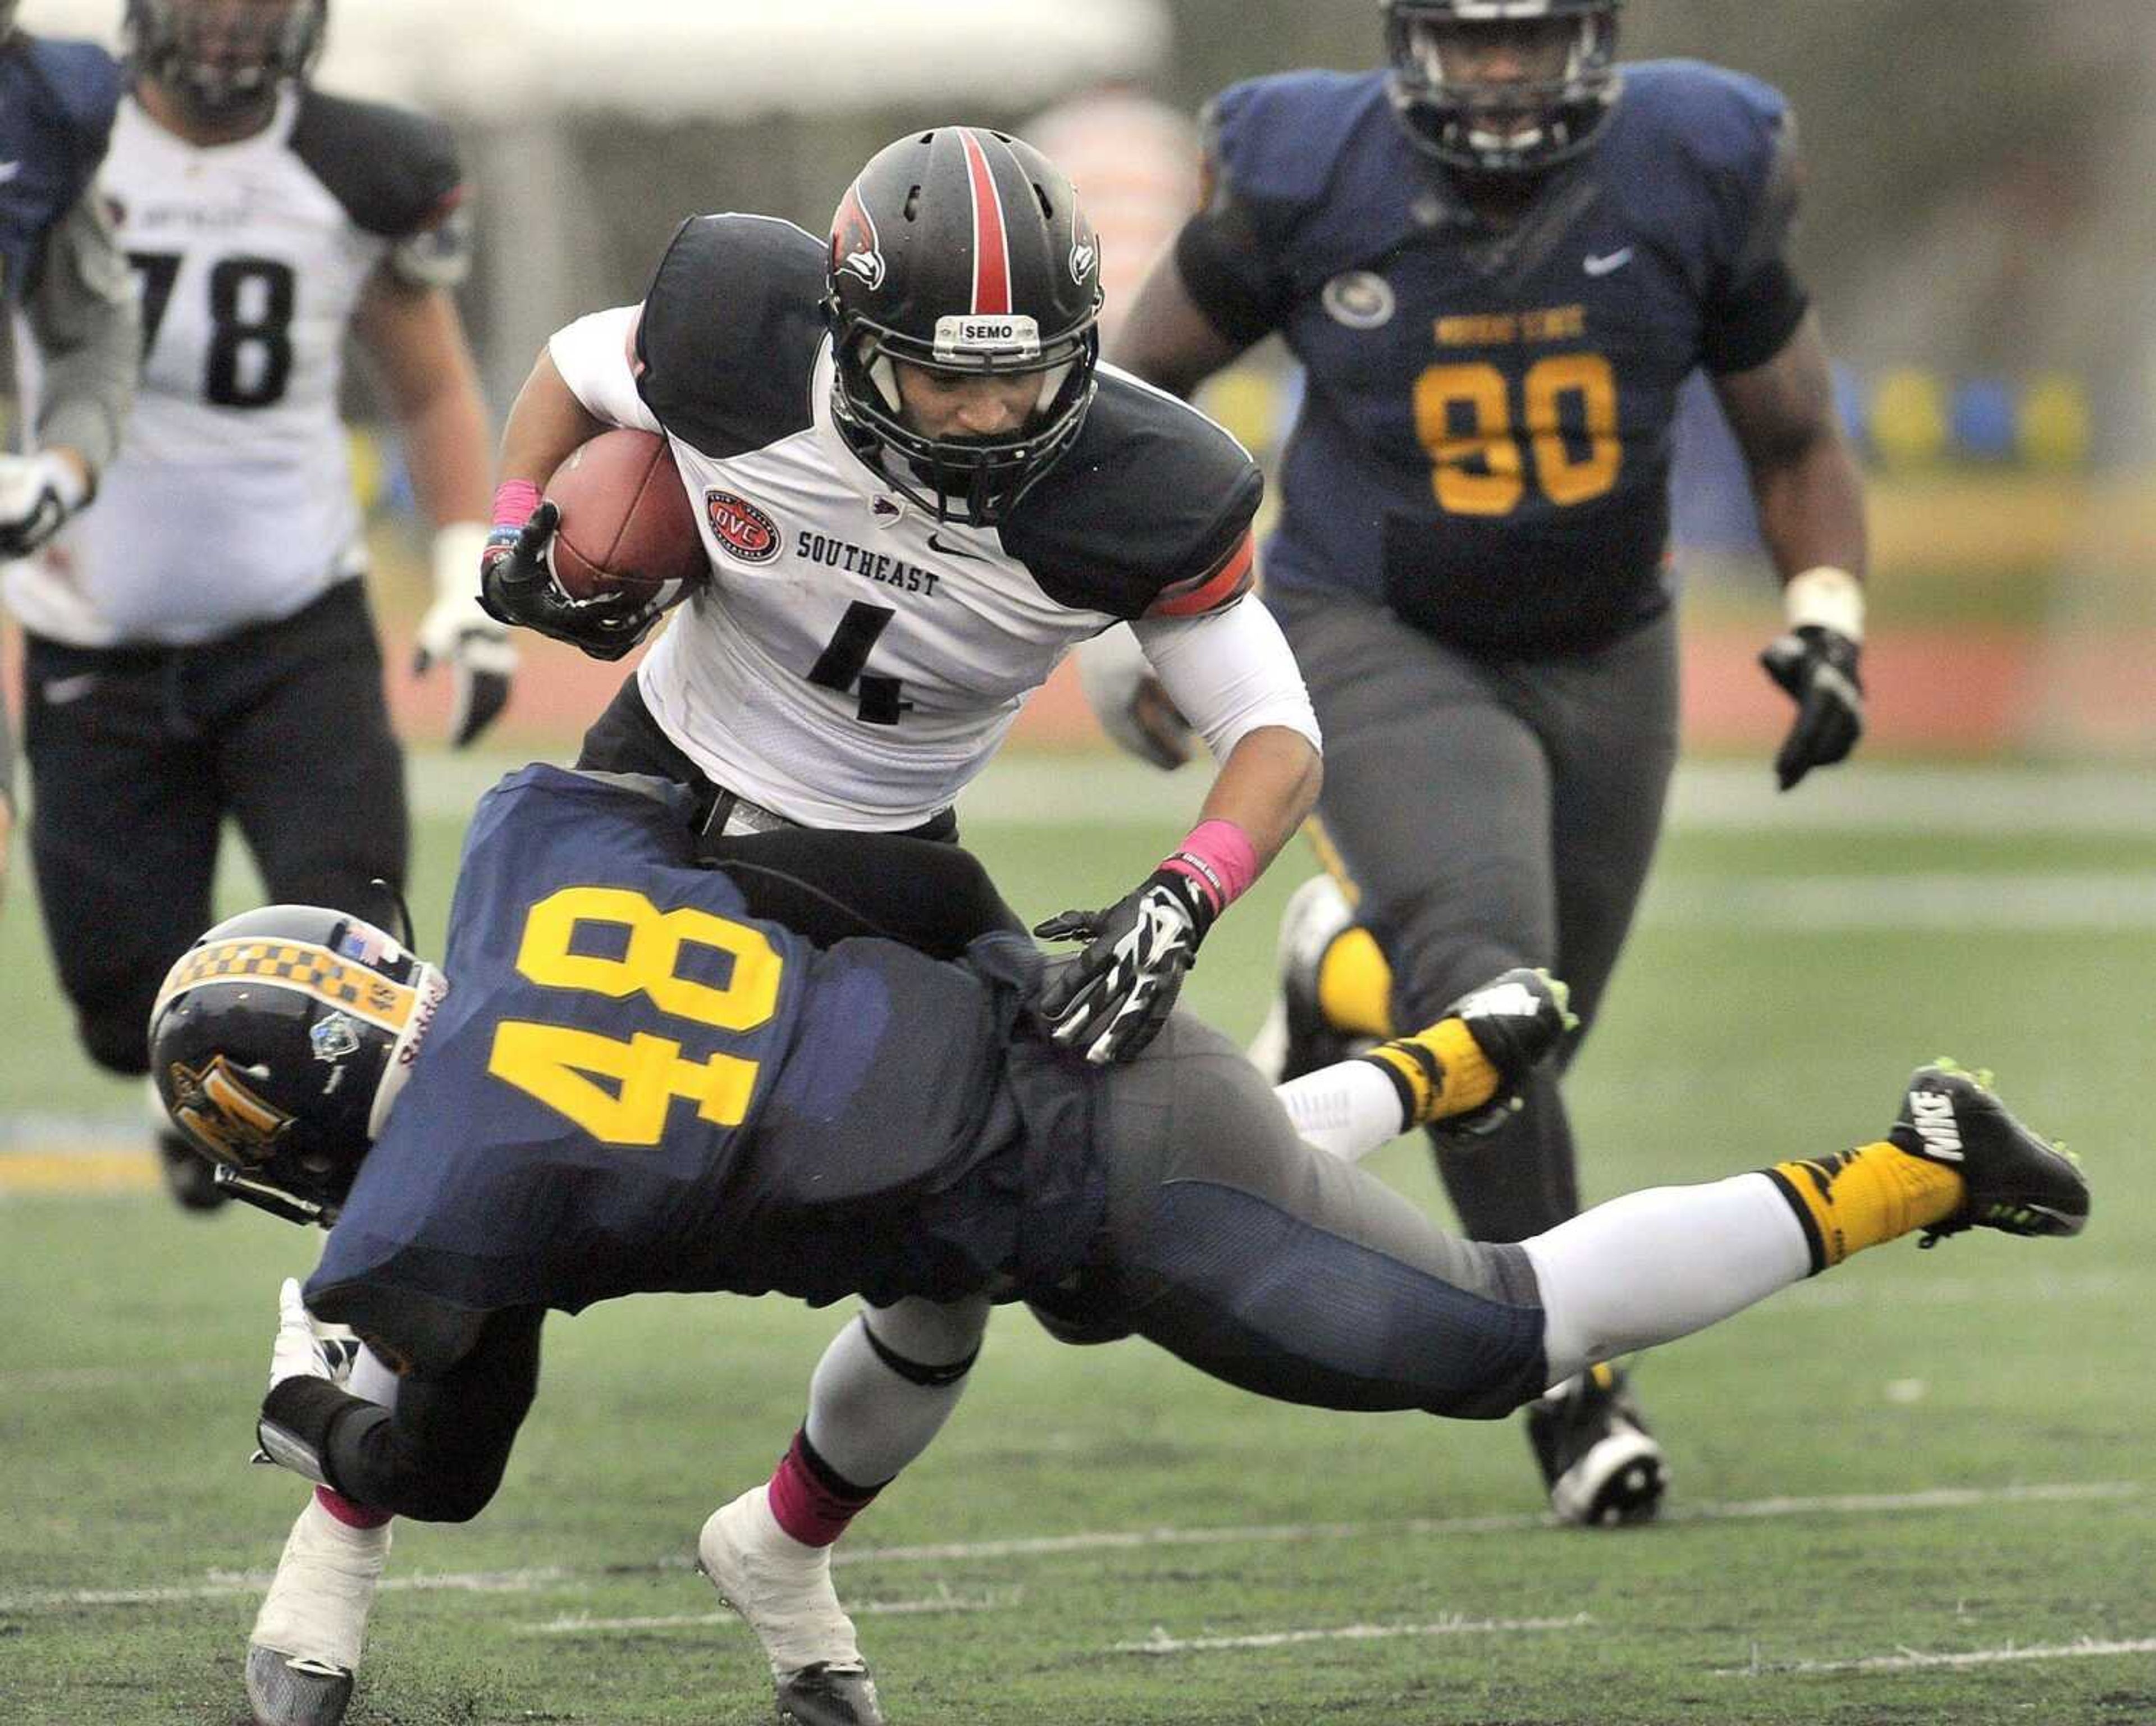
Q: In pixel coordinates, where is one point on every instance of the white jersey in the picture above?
(852, 662)
(230, 503)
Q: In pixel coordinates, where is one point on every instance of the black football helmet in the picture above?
(223, 58)
(1477, 128)
(278, 1043)
(962, 250)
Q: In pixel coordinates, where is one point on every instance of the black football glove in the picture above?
(517, 585)
(1115, 996)
(1516, 1019)
(1816, 668)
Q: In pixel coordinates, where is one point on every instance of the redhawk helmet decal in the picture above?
(855, 248)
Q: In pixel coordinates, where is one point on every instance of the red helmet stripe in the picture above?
(992, 291)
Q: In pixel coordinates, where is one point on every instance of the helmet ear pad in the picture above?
(964, 251)
(279, 1043)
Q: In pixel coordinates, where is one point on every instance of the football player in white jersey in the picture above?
(199, 645)
(918, 490)
(61, 268)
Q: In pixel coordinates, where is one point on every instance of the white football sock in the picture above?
(316, 1608)
(1657, 1265)
(1348, 1109)
(867, 1421)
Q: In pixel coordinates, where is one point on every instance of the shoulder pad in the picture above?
(1153, 497)
(394, 172)
(732, 327)
(1276, 140)
(1720, 120)
(86, 82)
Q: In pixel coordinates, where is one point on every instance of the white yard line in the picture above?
(1909, 1660)
(577, 1624)
(218, 1585)
(1456, 1625)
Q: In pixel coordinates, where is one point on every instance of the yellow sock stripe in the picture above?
(1441, 1072)
(1862, 1197)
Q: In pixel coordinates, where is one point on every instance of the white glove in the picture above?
(1129, 702)
(36, 494)
(305, 1348)
(458, 631)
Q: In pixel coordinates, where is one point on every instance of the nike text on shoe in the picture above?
(1601, 1465)
(2016, 1181)
(1295, 1039)
(307, 1637)
(783, 1589)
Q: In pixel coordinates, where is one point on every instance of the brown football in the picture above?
(627, 526)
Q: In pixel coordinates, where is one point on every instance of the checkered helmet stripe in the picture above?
(992, 270)
(302, 967)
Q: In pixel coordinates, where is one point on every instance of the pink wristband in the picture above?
(514, 501)
(1219, 857)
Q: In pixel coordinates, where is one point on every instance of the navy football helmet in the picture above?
(221, 59)
(278, 1043)
(962, 250)
(1502, 127)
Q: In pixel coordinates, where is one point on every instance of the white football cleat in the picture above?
(1295, 1039)
(307, 1637)
(783, 1589)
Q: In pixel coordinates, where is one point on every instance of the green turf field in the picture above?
(1920, 1489)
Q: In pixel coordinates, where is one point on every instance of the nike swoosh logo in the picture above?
(938, 545)
(60, 691)
(1596, 264)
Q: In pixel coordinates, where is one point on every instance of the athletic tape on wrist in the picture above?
(1832, 599)
(1218, 857)
(514, 501)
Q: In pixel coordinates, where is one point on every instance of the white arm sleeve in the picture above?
(1229, 672)
(597, 357)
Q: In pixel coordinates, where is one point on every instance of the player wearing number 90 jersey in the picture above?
(1498, 258)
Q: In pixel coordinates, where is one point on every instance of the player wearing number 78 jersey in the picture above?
(198, 644)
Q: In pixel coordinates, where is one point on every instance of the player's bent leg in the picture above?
(1274, 1267)
(305, 1645)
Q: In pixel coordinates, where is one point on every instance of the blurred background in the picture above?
(1977, 232)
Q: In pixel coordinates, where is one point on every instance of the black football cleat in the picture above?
(1601, 1465)
(2017, 1182)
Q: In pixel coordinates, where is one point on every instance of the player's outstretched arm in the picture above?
(417, 340)
(1811, 513)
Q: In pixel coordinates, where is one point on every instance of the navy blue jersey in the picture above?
(634, 1086)
(57, 100)
(1485, 439)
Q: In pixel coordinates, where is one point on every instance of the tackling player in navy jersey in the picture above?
(636, 1072)
(1498, 258)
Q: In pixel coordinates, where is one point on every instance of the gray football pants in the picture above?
(1492, 813)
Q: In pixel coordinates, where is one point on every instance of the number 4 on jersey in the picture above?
(842, 664)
